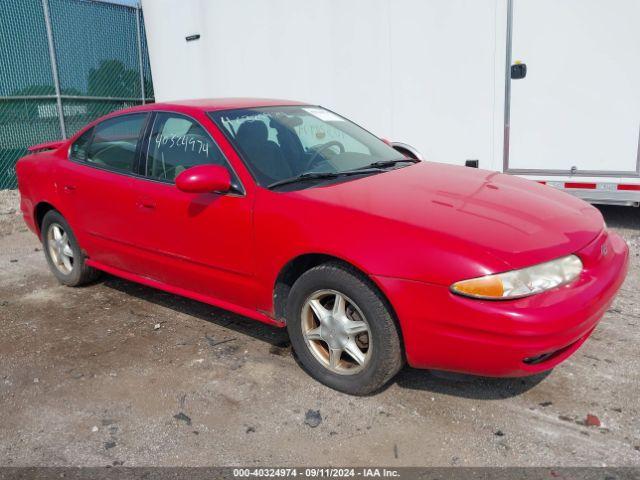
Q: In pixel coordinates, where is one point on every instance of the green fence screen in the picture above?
(96, 50)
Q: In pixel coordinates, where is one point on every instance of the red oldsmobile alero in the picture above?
(292, 215)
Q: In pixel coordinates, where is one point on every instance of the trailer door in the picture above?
(578, 107)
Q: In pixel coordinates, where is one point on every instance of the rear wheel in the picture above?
(64, 256)
(342, 330)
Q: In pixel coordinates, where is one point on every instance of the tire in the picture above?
(380, 350)
(64, 256)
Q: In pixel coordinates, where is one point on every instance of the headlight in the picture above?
(521, 283)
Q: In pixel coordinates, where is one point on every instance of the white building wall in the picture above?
(428, 73)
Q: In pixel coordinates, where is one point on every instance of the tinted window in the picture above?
(115, 141)
(80, 147)
(177, 143)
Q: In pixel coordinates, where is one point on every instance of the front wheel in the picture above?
(64, 256)
(342, 330)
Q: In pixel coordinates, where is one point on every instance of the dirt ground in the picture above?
(116, 373)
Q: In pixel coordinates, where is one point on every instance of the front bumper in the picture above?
(520, 337)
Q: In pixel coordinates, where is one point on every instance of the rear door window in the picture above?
(114, 143)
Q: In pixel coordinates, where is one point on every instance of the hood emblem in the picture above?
(604, 249)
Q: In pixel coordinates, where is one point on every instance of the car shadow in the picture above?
(277, 337)
(621, 217)
(453, 384)
(466, 386)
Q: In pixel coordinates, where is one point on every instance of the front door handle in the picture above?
(69, 188)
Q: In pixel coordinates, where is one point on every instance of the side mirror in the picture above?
(407, 150)
(204, 179)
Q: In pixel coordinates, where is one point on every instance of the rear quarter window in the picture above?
(80, 147)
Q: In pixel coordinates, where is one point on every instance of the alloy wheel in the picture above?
(336, 332)
(60, 249)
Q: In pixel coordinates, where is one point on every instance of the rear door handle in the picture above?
(147, 204)
(69, 188)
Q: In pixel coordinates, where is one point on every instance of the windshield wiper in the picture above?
(388, 163)
(322, 175)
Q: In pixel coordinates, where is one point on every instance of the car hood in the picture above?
(509, 221)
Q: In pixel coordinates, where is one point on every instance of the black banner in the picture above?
(202, 473)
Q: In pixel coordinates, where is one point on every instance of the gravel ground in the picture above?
(116, 373)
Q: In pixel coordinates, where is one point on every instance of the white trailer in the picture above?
(440, 75)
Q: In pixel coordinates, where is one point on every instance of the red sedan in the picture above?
(292, 215)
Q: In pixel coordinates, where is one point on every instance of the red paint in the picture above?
(628, 187)
(45, 146)
(588, 186)
(592, 420)
(541, 182)
(414, 231)
(204, 179)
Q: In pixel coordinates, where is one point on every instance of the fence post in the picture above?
(140, 61)
(54, 66)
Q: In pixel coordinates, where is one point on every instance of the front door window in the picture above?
(177, 143)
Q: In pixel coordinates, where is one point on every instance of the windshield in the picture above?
(278, 143)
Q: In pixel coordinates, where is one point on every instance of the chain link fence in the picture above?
(65, 63)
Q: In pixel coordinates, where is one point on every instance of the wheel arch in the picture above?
(295, 267)
(40, 211)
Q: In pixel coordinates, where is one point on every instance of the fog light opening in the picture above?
(538, 358)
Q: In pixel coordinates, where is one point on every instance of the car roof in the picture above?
(190, 106)
(212, 104)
